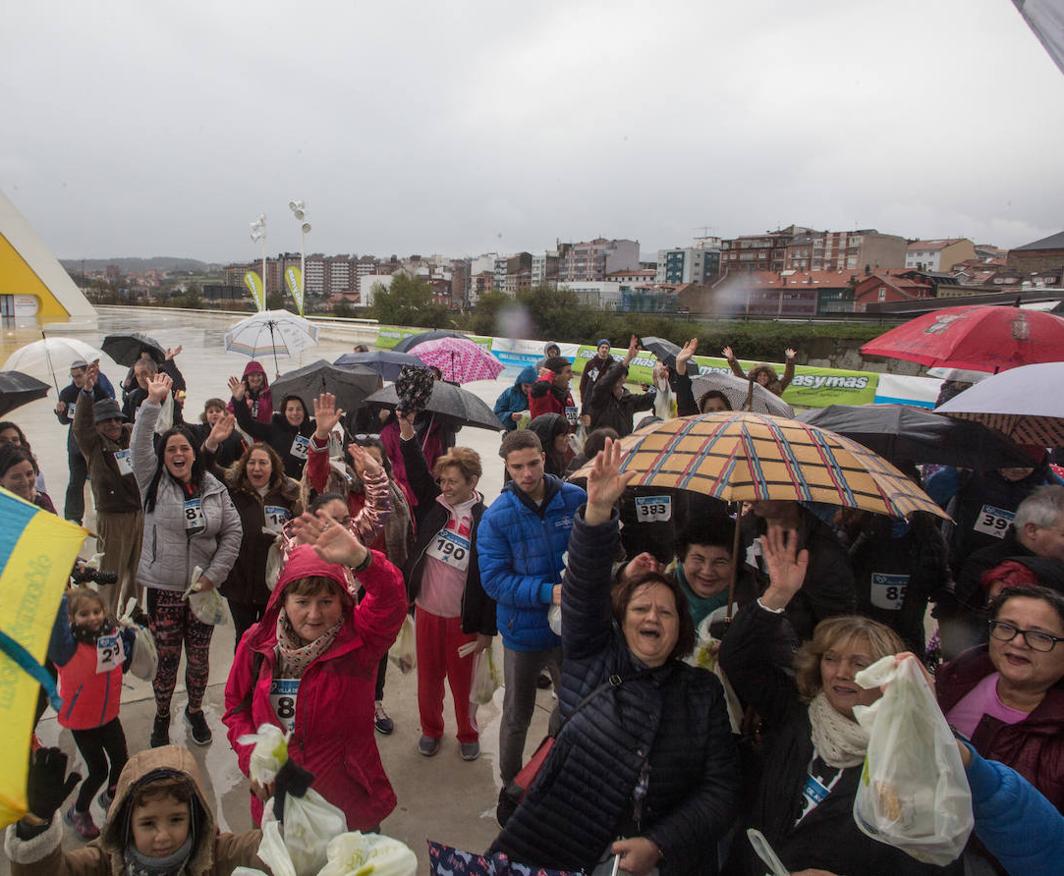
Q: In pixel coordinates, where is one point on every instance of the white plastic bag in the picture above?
(207, 605)
(359, 854)
(766, 854)
(145, 662)
(404, 652)
(485, 678)
(913, 793)
(310, 824)
(269, 754)
(554, 619)
(706, 656)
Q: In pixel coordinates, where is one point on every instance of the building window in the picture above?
(882, 293)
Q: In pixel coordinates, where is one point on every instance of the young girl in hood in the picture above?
(257, 394)
(159, 823)
(310, 665)
(91, 654)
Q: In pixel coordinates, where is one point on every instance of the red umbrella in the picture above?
(978, 337)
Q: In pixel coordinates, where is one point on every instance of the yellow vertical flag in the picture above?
(258, 293)
(37, 552)
(294, 278)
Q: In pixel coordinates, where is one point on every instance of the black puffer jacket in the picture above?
(606, 410)
(292, 443)
(670, 720)
(756, 655)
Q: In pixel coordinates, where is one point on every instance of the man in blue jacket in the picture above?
(521, 541)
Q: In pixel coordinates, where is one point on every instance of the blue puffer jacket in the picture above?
(514, 400)
(520, 550)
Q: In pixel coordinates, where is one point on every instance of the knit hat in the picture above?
(78, 363)
(107, 409)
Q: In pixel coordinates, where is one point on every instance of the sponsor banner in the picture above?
(258, 294)
(293, 278)
(900, 389)
(390, 335)
(520, 354)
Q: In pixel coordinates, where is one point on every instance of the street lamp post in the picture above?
(298, 209)
(258, 234)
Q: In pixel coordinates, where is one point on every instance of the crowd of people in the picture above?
(325, 541)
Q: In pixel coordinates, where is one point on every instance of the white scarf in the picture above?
(839, 741)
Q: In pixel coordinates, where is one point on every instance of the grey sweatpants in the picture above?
(520, 671)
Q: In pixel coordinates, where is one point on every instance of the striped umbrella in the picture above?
(1025, 403)
(746, 457)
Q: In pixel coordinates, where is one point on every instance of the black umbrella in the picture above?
(901, 433)
(350, 385)
(449, 403)
(666, 351)
(387, 363)
(125, 349)
(407, 344)
(18, 389)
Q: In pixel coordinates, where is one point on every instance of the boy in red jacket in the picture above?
(550, 394)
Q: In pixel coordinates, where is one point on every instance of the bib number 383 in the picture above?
(653, 509)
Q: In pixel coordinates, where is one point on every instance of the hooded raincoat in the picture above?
(259, 404)
(514, 400)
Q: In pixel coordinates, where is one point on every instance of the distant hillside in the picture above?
(126, 265)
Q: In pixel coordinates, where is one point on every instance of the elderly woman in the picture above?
(812, 748)
(643, 767)
(309, 666)
(1008, 696)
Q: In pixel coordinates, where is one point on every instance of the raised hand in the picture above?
(406, 423)
(237, 388)
(364, 461)
(48, 784)
(92, 374)
(786, 566)
(173, 352)
(641, 563)
(687, 352)
(220, 431)
(159, 387)
(326, 415)
(791, 352)
(728, 354)
(332, 542)
(605, 483)
(633, 349)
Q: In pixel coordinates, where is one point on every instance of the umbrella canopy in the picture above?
(666, 351)
(271, 332)
(451, 403)
(901, 433)
(744, 457)
(1026, 404)
(975, 337)
(459, 360)
(407, 344)
(18, 389)
(350, 385)
(44, 359)
(125, 349)
(387, 363)
(737, 391)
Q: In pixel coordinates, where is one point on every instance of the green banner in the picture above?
(390, 335)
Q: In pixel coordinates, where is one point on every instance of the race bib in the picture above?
(124, 461)
(276, 517)
(283, 694)
(195, 521)
(572, 414)
(753, 554)
(300, 447)
(653, 509)
(888, 591)
(109, 653)
(993, 521)
(593, 374)
(450, 548)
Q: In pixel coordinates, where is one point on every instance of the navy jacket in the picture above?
(666, 726)
(519, 551)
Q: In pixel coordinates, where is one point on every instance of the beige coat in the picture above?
(218, 856)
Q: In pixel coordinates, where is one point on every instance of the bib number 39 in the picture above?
(993, 521)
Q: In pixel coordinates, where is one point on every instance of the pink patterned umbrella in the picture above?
(460, 360)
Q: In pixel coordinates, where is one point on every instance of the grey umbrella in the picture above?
(17, 389)
(350, 385)
(450, 403)
(738, 391)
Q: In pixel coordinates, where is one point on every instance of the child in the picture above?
(159, 822)
(91, 654)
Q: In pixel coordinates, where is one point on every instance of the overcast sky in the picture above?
(140, 129)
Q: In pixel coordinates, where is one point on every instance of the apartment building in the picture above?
(760, 252)
(590, 261)
(938, 255)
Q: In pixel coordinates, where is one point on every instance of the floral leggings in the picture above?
(173, 623)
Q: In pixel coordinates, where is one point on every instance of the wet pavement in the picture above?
(442, 798)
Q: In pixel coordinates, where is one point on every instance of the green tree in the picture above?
(408, 301)
(275, 301)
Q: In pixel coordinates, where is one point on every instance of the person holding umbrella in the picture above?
(288, 431)
(74, 507)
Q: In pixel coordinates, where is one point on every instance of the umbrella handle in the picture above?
(48, 356)
(735, 561)
(273, 345)
(749, 405)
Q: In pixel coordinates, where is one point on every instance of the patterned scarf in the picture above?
(293, 654)
(172, 865)
(839, 741)
(89, 635)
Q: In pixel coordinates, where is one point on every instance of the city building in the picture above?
(760, 252)
(845, 251)
(599, 295)
(370, 284)
(590, 261)
(314, 274)
(499, 272)
(460, 282)
(1039, 255)
(650, 299)
(692, 264)
(638, 277)
(545, 269)
(883, 287)
(783, 293)
(938, 255)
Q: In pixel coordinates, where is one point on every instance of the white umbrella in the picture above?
(737, 391)
(1025, 403)
(42, 359)
(272, 332)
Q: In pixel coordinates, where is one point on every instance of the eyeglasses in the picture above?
(1036, 640)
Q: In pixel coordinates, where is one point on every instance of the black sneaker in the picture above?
(160, 731)
(201, 733)
(543, 681)
(384, 725)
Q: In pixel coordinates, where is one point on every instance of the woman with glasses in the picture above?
(1007, 696)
